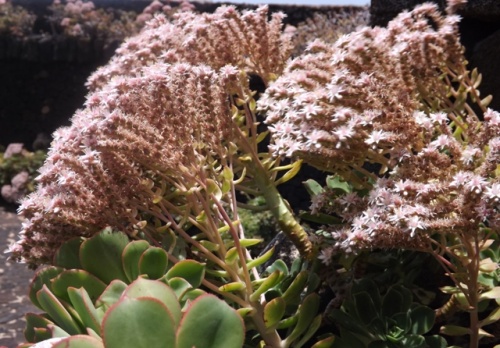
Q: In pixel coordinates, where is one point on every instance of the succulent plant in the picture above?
(106, 291)
(369, 319)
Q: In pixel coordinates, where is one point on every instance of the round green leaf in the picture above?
(192, 271)
(210, 323)
(56, 311)
(111, 294)
(158, 290)
(153, 262)
(274, 311)
(79, 341)
(68, 254)
(42, 277)
(422, 319)
(33, 322)
(131, 256)
(138, 323)
(179, 286)
(101, 255)
(77, 278)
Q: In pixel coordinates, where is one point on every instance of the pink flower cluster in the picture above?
(382, 96)
(342, 105)
(160, 112)
(248, 41)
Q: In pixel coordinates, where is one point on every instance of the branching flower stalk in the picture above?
(342, 105)
(164, 143)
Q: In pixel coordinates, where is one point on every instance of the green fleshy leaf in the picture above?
(422, 320)
(179, 286)
(131, 256)
(278, 265)
(392, 303)
(34, 321)
(325, 342)
(273, 312)
(68, 255)
(79, 341)
(492, 294)
(261, 259)
(346, 321)
(315, 324)
(435, 341)
(42, 334)
(192, 271)
(336, 183)
(42, 277)
(454, 330)
(313, 187)
(56, 331)
(77, 278)
(56, 311)
(215, 323)
(153, 262)
(111, 294)
(292, 293)
(139, 323)
(493, 317)
(306, 313)
(84, 305)
(367, 311)
(269, 282)
(155, 289)
(101, 255)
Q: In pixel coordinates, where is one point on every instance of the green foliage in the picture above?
(24, 161)
(370, 319)
(121, 297)
(15, 20)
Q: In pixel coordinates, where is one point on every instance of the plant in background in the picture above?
(83, 20)
(368, 318)
(15, 20)
(328, 26)
(18, 168)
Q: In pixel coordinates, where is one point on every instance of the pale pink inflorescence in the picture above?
(354, 101)
(248, 41)
(379, 96)
(159, 110)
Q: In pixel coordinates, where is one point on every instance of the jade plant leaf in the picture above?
(422, 319)
(180, 286)
(42, 277)
(77, 278)
(215, 323)
(192, 271)
(153, 262)
(35, 321)
(131, 256)
(79, 341)
(105, 248)
(137, 322)
(154, 289)
(112, 293)
(55, 309)
(83, 304)
(274, 311)
(68, 254)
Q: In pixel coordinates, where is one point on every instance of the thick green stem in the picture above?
(282, 213)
